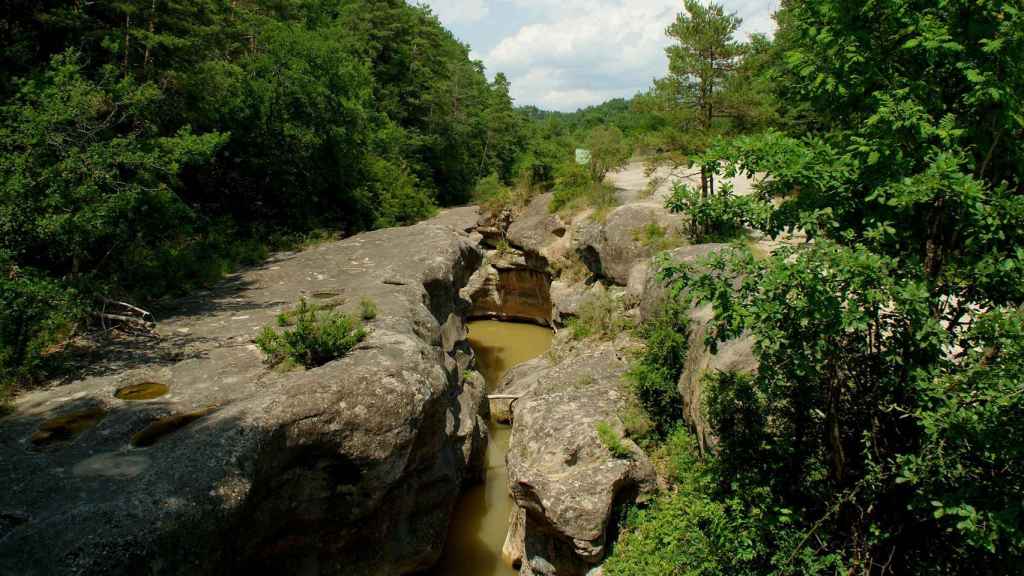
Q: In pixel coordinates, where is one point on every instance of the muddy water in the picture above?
(481, 517)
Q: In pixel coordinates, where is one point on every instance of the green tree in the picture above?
(609, 151)
(876, 429)
(703, 58)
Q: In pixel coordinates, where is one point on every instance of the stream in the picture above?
(481, 517)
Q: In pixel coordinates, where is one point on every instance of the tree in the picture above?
(880, 419)
(702, 59)
(609, 151)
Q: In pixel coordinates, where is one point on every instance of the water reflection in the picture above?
(481, 517)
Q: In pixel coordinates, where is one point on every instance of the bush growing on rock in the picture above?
(575, 189)
(318, 337)
(599, 316)
(612, 441)
(655, 373)
(35, 314)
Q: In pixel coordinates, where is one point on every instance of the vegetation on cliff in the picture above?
(881, 433)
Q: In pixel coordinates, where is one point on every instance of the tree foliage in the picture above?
(147, 146)
(880, 433)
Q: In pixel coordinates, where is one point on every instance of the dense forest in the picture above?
(149, 146)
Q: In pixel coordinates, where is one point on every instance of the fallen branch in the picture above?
(143, 313)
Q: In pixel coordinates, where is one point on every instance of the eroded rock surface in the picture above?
(511, 287)
(614, 247)
(351, 468)
(732, 356)
(565, 482)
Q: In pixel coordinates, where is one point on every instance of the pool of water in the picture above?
(481, 517)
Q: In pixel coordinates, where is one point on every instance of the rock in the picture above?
(654, 292)
(351, 468)
(566, 298)
(509, 287)
(612, 248)
(734, 355)
(565, 482)
(536, 228)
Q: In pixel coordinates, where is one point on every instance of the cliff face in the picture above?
(350, 468)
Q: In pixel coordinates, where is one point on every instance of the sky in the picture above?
(568, 54)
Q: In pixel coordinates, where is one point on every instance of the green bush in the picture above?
(720, 217)
(318, 337)
(398, 197)
(495, 196)
(657, 237)
(598, 316)
(697, 529)
(367, 309)
(612, 441)
(35, 314)
(655, 374)
(575, 189)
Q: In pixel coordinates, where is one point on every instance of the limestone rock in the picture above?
(536, 228)
(351, 468)
(611, 249)
(565, 482)
(734, 355)
(654, 292)
(510, 287)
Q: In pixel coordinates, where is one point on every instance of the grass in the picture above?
(657, 238)
(612, 441)
(367, 309)
(318, 337)
(495, 197)
(599, 316)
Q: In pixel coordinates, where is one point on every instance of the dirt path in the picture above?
(633, 182)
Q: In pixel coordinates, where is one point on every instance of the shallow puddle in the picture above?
(67, 427)
(481, 517)
(144, 391)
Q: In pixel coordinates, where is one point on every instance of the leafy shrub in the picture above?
(655, 374)
(611, 440)
(495, 196)
(398, 198)
(609, 151)
(35, 314)
(317, 338)
(598, 316)
(575, 189)
(697, 529)
(720, 217)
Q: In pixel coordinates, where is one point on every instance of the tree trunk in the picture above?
(152, 29)
(127, 42)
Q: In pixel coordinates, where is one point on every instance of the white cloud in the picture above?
(564, 54)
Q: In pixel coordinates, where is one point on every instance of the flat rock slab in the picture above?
(350, 468)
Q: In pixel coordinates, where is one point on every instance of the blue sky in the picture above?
(567, 54)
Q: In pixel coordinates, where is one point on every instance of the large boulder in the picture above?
(613, 248)
(536, 228)
(351, 468)
(655, 293)
(566, 484)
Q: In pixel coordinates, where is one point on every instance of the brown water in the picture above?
(481, 518)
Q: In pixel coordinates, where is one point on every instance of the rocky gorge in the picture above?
(353, 467)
